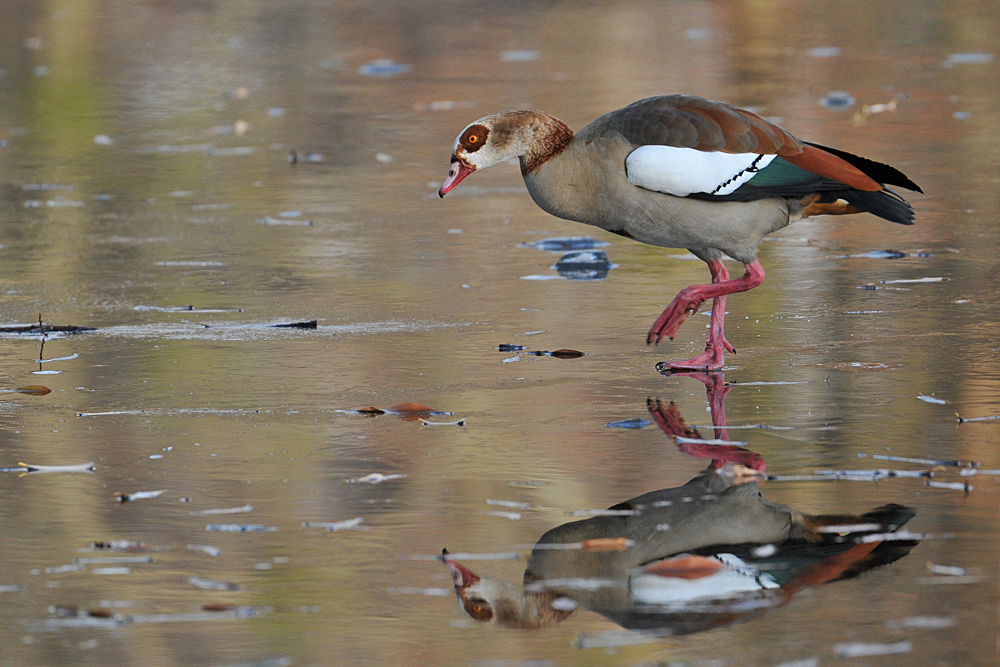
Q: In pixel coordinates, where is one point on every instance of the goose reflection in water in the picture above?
(707, 554)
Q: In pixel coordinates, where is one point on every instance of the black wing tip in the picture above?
(885, 203)
(908, 184)
(880, 172)
(892, 516)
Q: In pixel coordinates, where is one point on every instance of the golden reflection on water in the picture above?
(183, 205)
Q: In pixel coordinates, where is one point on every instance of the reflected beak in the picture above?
(458, 171)
(461, 575)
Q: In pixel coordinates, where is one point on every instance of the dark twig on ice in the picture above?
(949, 463)
(311, 324)
(965, 420)
(25, 468)
(42, 329)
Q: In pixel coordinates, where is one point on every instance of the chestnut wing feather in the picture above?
(685, 121)
(692, 122)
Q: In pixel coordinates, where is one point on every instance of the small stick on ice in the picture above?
(898, 536)
(969, 472)
(503, 555)
(205, 549)
(460, 422)
(228, 510)
(213, 585)
(936, 279)
(964, 420)
(81, 467)
(138, 495)
(923, 623)
(858, 649)
(712, 441)
(874, 475)
(771, 427)
(955, 486)
(799, 478)
(334, 526)
(509, 503)
(374, 478)
(240, 528)
(948, 463)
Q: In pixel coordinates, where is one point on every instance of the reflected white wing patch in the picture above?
(682, 171)
(736, 578)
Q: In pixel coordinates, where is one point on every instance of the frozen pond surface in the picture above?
(183, 176)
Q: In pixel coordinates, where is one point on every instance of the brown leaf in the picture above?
(411, 408)
(606, 544)
(34, 390)
(412, 412)
(406, 411)
(564, 353)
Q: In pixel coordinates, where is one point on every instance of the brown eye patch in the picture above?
(474, 138)
(479, 609)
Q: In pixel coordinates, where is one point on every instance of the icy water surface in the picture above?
(182, 176)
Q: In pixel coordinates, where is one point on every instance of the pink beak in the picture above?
(458, 171)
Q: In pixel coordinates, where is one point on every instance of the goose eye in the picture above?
(474, 138)
(479, 609)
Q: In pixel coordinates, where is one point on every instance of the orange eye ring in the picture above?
(472, 139)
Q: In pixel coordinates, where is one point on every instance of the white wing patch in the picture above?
(682, 171)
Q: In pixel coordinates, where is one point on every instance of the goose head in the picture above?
(532, 136)
(504, 603)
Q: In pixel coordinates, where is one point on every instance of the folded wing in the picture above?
(691, 147)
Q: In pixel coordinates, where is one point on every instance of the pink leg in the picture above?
(713, 357)
(688, 301)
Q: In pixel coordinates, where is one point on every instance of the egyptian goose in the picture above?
(680, 171)
(683, 560)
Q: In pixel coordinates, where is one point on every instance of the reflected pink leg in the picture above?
(688, 301)
(716, 388)
(672, 424)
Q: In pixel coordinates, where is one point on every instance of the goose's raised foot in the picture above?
(687, 301)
